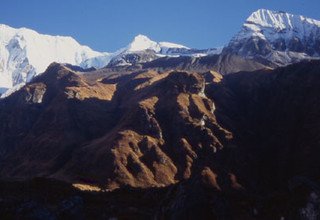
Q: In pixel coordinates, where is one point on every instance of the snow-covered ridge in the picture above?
(142, 49)
(280, 20)
(276, 36)
(25, 53)
(142, 42)
(272, 25)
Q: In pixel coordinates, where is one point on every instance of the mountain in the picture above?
(118, 120)
(277, 37)
(269, 38)
(163, 131)
(25, 53)
(142, 43)
(224, 145)
(142, 50)
(270, 171)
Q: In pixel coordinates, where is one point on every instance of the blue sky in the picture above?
(107, 25)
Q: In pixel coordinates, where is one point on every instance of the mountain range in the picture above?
(158, 130)
(26, 53)
(268, 37)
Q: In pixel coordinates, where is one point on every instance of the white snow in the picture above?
(272, 25)
(280, 20)
(97, 62)
(171, 45)
(141, 43)
(275, 27)
(25, 53)
(12, 90)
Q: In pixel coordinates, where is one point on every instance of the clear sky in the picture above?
(107, 25)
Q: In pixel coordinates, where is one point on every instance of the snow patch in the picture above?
(12, 90)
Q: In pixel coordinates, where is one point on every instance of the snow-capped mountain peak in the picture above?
(278, 37)
(279, 20)
(272, 25)
(142, 49)
(142, 42)
(25, 53)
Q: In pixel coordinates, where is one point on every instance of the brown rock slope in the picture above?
(141, 129)
(242, 146)
(272, 169)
